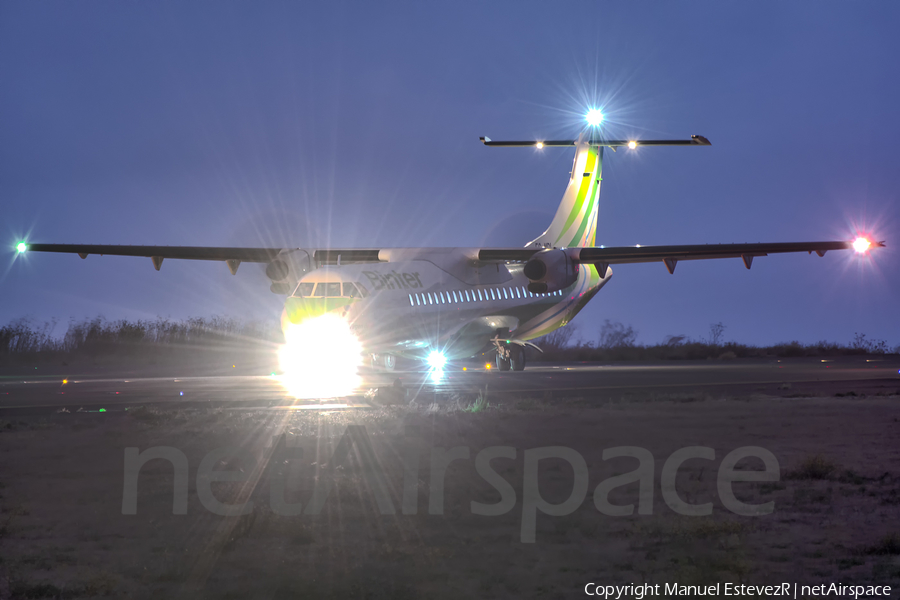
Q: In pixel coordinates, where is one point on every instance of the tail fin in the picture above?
(575, 223)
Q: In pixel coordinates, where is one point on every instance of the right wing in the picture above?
(670, 255)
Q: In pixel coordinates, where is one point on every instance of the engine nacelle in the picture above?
(550, 271)
(286, 269)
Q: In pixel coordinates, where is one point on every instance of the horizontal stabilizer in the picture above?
(696, 140)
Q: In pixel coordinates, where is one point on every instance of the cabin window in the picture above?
(305, 289)
(505, 296)
(430, 299)
(455, 299)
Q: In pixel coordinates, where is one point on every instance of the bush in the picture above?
(24, 337)
(813, 467)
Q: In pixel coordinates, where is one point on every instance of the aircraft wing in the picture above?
(188, 252)
(232, 256)
(670, 255)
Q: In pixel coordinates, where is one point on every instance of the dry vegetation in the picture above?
(28, 340)
(617, 342)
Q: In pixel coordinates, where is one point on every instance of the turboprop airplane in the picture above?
(444, 303)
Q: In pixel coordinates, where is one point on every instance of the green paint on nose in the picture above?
(302, 309)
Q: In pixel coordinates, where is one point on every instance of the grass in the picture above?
(479, 404)
(813, 467)
(102, 584)
(888, 545)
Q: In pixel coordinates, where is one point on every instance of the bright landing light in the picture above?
(594, 117)
(437, 360)
(21, 247)
(320, 358)
(861, 244)
(632, 145)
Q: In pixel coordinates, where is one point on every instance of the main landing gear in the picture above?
(510, 356)
(388, 362)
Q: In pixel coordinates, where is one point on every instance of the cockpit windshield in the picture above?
(305, 289)
(347, 289)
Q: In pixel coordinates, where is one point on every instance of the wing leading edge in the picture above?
(670, 255)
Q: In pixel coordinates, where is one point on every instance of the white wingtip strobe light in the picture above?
(21, 247)
(861, 244)
(632, 145)
(594, 117)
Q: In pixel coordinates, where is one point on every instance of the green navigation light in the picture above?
(21, 247)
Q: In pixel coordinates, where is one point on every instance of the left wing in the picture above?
(232, 256)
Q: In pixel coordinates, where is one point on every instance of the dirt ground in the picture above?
(836, 514)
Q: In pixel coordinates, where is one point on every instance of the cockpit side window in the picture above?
(305, 289)
(350, 291)
(362, 289)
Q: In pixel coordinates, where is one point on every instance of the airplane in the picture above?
(439, 304)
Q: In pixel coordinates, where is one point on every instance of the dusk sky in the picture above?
(356, 125)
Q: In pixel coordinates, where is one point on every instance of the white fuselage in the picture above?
(414, 306)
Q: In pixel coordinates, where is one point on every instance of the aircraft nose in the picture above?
(296, 310)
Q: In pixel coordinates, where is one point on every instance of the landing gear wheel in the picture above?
(517, 358)
(503, 363)
(388, 362)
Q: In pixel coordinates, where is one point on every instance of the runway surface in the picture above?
(789, 377)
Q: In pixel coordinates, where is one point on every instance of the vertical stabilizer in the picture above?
(575, 223)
